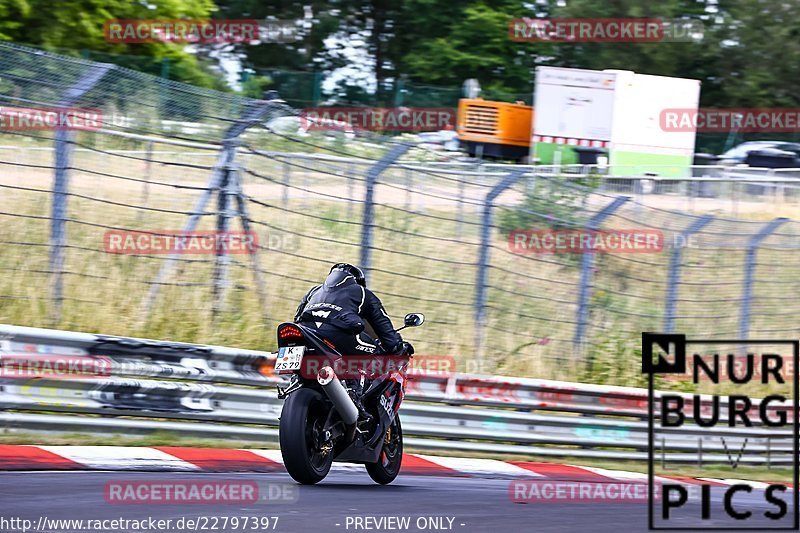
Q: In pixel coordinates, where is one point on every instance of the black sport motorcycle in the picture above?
(321, 422)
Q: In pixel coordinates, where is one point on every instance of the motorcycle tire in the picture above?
(391, 458)
(304, 412)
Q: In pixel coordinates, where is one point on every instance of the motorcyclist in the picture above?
(349, 315)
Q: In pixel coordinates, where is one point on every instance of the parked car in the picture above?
(443, 139)
(738, 154)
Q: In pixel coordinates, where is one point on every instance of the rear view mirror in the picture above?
(414, 319)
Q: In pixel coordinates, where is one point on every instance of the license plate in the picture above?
(289, 358)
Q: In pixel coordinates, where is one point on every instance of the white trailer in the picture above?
(616, 110)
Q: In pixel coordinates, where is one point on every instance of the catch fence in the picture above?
(432, 232)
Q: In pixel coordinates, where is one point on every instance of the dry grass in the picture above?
(424, 260)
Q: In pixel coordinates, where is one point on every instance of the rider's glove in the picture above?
(407, 348)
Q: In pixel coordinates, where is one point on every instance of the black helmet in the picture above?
(353, 271)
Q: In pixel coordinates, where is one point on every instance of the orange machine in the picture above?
(495, 129)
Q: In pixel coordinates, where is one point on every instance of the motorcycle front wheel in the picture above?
(388, 465)
(302, 445)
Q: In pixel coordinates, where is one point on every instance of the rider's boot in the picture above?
(358, 389)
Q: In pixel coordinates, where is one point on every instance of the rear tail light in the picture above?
(290, 332)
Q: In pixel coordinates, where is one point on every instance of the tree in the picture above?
(447, 42)
(756, 60)
(683, 59)
(70, 26)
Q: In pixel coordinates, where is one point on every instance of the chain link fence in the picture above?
(432, 234)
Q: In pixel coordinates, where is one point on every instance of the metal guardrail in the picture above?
(137, 386)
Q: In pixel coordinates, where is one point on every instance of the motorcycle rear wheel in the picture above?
(303, 415)
(388, 465)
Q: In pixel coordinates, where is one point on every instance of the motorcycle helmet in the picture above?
(352, 270)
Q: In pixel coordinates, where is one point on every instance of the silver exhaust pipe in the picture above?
(338, 395)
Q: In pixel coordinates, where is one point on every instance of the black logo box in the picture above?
(677, 365)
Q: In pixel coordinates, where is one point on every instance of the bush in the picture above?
(551, 203)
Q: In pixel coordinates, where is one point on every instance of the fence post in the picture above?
(368, 219)
(58, 219)
(287, 173)
(227, 189)
(587, 263)
(220, 181)
(409, 183)
(317, 89)
(749, 270)
(148, 170)
(483, 261)
(306, 187)
(674, 275)
(350, 174)
(399, 87)
(244, 216)
(460, 209)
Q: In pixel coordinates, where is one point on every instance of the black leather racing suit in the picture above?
(347, 314)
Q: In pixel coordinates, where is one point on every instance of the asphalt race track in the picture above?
(431, 503)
